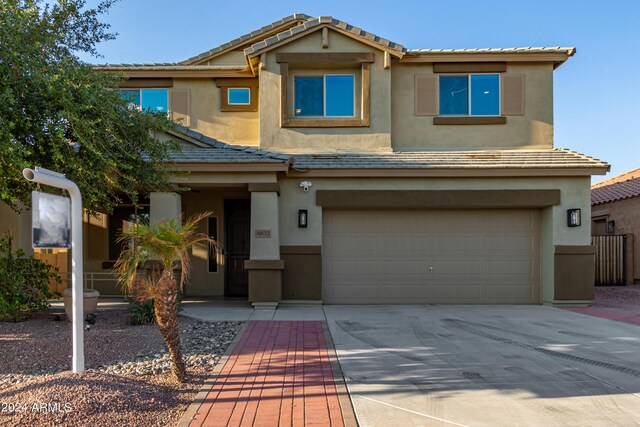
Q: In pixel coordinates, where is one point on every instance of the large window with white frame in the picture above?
(470, 95)
(328, 95)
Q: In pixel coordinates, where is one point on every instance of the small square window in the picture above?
(239, 96)
(324, 96)
(470, 95)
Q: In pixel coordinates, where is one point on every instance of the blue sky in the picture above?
(596, 92)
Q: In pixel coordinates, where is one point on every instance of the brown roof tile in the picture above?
(324, 20)
(243, 39)
(616, 191)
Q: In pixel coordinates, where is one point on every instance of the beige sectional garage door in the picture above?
(435, 256)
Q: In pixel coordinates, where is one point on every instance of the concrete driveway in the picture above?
(487, 366)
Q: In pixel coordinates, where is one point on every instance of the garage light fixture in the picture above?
(574, 218)
(303, 217)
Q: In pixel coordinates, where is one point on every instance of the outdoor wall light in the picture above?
(574, 218)
(303, 217)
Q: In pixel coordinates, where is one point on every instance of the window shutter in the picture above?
(425, 94)
(513, 94)
(180, 106)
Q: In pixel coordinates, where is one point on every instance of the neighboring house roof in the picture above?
(210, 150)
(617, 190)
(313, 25)
(247, 38)
(490, 159)
(618, 178)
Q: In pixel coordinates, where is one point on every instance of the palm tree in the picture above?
(162, 250)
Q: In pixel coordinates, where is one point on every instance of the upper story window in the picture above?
(330, 95)
(156, 100)
(470, 95)
(324, 90)
(239, 95)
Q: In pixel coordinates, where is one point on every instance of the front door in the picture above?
(237, 214)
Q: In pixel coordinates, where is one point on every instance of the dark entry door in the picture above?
(237, 214)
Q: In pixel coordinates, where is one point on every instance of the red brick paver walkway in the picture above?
(278, 375)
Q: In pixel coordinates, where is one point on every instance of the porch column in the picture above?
(264, 264)
(24, 230)
(164, 206)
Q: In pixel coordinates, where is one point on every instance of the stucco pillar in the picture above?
(164, 206)
(264, 264)
(24, 230)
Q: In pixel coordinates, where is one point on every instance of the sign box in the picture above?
(51, 227)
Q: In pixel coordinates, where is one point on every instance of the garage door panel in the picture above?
(477, 256)
(509, 243)
(511, 267)
(355, 292)
(454, 268)
(458, 243)
(509, 291)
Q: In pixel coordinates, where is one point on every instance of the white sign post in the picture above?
(54, 179)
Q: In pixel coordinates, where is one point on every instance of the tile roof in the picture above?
(168, 66)
(246, 37)
(616, 191)
(506, 50)
(322, 20)
(220, 152)
(493, 159)
(618, 178)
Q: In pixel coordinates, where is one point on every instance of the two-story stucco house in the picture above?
(342, 167)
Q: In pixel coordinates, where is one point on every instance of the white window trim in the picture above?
(324, 97)
(469, 95)
(238, 103)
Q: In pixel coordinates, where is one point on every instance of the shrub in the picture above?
(142, 313)
(24, 283)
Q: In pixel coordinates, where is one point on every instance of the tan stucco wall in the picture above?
(234, 57)
(554, 231)
(374, 138)
(10, 223)
(534, 129)
(232, 127)
(626, 214)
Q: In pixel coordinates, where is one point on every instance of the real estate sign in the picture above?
(51, 221)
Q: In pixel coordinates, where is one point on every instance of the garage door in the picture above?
(435, 256)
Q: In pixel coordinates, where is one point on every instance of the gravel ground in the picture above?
(622, 297)
(127, 381)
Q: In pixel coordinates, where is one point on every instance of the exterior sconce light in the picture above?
(303, 218)
(574, 218)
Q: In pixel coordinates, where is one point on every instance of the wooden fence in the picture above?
(610, 260)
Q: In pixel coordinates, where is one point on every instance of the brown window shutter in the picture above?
(426, 96)
(180, 106)
(513, 94)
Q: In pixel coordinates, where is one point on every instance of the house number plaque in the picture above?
(263, 234)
